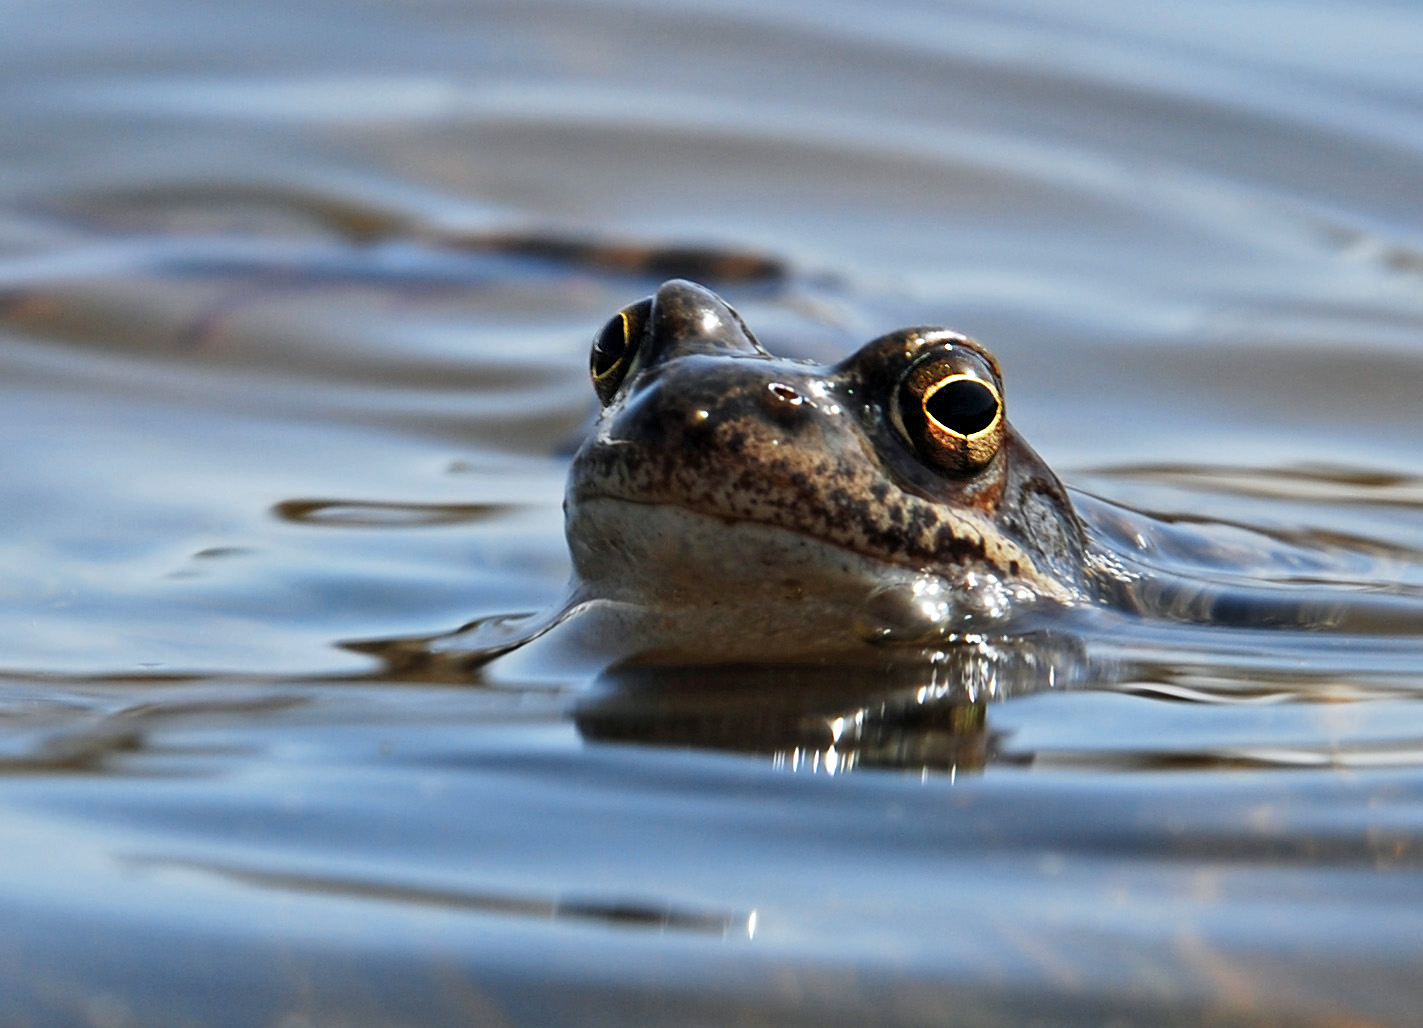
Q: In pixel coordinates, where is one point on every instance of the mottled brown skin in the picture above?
(709, 422)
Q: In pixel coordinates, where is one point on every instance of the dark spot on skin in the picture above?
(733, 443)
(951, 549)
(921, 520)
(841, 502)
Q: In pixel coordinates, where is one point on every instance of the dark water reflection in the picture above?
(294, 306)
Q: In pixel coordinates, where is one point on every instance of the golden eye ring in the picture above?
(951, 414)
(616, 349)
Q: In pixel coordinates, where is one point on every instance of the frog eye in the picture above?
(615, 349)
(951, 412)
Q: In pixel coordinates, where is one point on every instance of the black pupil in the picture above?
(963, 406)
(610, 346)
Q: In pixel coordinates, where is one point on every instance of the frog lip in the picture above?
(582, 498)
(651, 551)
(976, 551)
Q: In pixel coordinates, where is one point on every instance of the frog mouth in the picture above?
(658, 549)
(626, 538)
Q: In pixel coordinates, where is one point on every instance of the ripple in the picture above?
(373, 514)
(618, 912)
(1315, 483)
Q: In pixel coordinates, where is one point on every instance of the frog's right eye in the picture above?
(616, 348)
(949, 408)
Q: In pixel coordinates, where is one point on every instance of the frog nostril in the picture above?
(785, 404)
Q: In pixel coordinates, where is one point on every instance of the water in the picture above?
(294, 309)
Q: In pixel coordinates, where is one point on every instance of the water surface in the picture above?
(294, 307)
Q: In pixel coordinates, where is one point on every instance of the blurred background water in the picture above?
(294, 307)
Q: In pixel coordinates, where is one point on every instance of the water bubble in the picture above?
(928, 608)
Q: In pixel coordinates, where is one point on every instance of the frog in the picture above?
(842, 565)
(885, 497)
(731, 505)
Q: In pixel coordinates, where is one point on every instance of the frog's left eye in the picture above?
(616, 348)
(951, 412)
